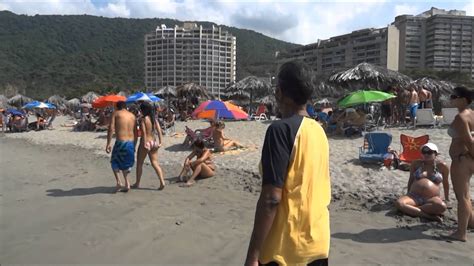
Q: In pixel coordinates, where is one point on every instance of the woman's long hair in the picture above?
(148, 110)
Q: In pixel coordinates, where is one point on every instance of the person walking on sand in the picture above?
(150, 141)
(292, 218)
(123, 154)
(461, 151)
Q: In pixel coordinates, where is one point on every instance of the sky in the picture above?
(300, 21)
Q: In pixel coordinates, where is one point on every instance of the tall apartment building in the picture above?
(190, 53)
(375, 46)
(437, 39)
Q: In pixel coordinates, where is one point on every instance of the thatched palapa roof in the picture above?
(89, 97)
(368, 76)
(191, 90)
(57, 100)
(3, 101)
(19, 100)
(250, 87)
(166, 91)
(74, 102)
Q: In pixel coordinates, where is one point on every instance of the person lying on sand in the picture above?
(423, 197)
(202, 167)
(221, 143)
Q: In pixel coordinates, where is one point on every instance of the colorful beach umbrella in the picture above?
(39, 105)
(15, 112)
(361, 97)
(141, 96)
(219, 110)
(108, 100)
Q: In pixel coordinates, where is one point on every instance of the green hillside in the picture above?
(69, 55)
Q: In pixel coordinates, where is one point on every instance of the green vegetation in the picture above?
(69, 55)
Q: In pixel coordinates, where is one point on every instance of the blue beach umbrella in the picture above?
(141, 96)
(40, 105)
(15, 112)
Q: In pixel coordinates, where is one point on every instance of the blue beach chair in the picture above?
(375, 147)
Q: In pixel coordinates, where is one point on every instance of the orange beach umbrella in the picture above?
(107, 100)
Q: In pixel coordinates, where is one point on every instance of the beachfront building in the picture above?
(375, 46)
(435, 39)
(190, 53)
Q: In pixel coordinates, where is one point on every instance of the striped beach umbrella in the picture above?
(39, 105)
(141, 96)
(214, 109)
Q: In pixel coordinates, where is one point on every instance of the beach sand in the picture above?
(58, 205)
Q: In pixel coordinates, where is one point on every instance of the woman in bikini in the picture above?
(423, 197)
(462, 156)
(221, 143)
(202, 167)
(150, 141)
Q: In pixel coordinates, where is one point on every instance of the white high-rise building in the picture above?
(190, 53)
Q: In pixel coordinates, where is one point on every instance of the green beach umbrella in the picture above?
(361, 97)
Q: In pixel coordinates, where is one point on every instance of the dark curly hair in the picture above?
(295, 81)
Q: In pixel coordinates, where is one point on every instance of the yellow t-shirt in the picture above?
(295, 157)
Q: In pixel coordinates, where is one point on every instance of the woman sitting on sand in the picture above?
(202, 167)
(221, 143)
(423, 197)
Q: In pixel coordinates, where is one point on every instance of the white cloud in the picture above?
(406, 9)
(302, 21)
(469, 9)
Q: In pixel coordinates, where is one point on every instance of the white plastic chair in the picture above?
(425, 117)
(448, 115)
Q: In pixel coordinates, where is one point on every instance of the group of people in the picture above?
(394, 111)
(144, 129)
(213, 136)
(426, 175)
(291, 224)
(17, 121)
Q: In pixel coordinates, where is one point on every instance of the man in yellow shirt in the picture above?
(292, 217)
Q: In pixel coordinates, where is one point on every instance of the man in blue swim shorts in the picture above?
(413, 104)
(123, 123)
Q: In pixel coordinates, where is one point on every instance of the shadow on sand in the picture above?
(80, 191)
(177, 148)
(389, 235)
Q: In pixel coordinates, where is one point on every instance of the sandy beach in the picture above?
(58, 206)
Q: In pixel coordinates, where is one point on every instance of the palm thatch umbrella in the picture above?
(192, 90)
(3, 101)
(365, 75)
(252, 86)
(267, 100)
(73, 103)
(89, 97)
(57, 100)
(19, 100)
(123, 93)
(166, 92)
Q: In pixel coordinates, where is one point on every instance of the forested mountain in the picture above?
(52, 54)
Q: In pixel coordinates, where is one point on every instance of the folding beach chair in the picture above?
(448, 115)
(412, 147)
(375, 147)
(260, 114)
(425, 117)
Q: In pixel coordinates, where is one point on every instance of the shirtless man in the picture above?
(123, 123)
(425, 97)
(414, 100)
(221, 143)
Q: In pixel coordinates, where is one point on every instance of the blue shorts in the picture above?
(123, 155)
(413, 108)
